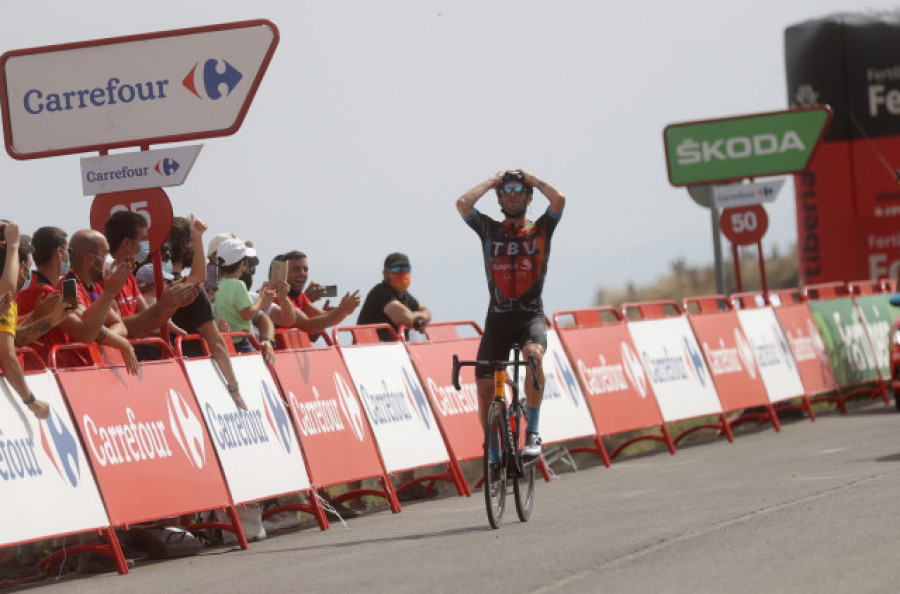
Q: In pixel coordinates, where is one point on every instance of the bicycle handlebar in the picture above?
(531, 363)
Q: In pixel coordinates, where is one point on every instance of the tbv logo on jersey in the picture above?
(203, 83)
(138, 440)
(323, 415)
(607, 377)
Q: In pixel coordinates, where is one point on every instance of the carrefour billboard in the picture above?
(132, 91)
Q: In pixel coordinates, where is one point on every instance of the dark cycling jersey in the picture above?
(515, 260)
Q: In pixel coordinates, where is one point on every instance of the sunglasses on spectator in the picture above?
(400, 268)
(513, 189)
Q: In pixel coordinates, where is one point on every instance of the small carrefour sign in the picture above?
(746, 194)
(132, 91)
(744, 146)
(159, 168)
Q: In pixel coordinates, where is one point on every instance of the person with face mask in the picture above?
(127, 235)
(390, 302)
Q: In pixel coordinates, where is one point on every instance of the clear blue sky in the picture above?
(375, 116)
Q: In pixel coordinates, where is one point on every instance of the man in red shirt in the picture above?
(126, 233)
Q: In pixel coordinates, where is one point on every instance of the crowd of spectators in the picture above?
(101, 288)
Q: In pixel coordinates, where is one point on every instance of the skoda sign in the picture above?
(743, 146)
(132, 91)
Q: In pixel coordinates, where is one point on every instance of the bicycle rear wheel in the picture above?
(523, 483)
(495, 486)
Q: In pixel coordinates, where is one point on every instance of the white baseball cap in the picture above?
(232, 251)
(216, 241)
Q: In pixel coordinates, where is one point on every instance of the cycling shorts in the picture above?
(502, 330)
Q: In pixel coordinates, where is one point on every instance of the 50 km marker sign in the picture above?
(139, 90)
(745, 146)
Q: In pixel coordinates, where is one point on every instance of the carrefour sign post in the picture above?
(133, 91)
(731, 149)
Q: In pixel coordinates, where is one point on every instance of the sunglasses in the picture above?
(400, 268)
(513, 189)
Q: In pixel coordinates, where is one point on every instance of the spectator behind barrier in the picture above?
(390, 302)
(308, 317)
(94, 318)
(185, 248)
(233, 303)
(15, 259)
(126, 232)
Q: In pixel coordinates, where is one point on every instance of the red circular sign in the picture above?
(152, 203)
(744, 225)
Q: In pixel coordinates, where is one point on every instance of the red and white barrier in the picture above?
(257, 447)
(730, 358)
(44, 468)
(337, 441)
(396, 406)
(675, 366)
(564, 411)
(148, 431)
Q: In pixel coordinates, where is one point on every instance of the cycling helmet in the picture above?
(513, 176)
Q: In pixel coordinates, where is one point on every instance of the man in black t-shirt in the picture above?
(389, 302)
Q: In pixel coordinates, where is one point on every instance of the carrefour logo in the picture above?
(349, 405)
(214, 80)
(633, 369)
(61, 447)
(695, 360)
(569, 384)
(277, 416)
(416, 397)
(206, 82)
(187, 429)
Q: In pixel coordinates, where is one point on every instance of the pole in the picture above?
(737, 268)
(717, 250)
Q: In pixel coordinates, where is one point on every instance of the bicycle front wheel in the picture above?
(495, 474)
(523, 482)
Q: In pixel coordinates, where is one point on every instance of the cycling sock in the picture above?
(534, 415)
(494, 450)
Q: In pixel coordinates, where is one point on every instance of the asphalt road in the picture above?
(814, 508)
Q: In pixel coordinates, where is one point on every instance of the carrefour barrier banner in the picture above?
(877, 318)
(772, 352)
(846, 341)
(337, 441)
(620, 395)
(457, 410)
(807, 348)
(730, 360)
(564, 412)
(146, 441)
(396, 406)
(257, 447)
(675, 366)
(43, 469)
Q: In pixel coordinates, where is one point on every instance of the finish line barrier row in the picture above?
(118, 450)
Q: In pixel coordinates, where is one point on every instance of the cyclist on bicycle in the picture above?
(515, 253)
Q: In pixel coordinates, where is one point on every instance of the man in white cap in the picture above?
(233, 303)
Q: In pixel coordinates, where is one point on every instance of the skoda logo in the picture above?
(187, 429)
(61, 447)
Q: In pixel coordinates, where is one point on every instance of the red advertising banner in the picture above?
(457, 411)
(337, 441)
(146, 441)
(612, 376)
(729, 356)
(806, 344)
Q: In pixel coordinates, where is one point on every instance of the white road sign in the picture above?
(132, 91)
(160, 168)
(746, 194)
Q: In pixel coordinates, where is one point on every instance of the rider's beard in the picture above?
(514, 215)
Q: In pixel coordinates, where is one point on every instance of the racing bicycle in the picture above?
(505, 425)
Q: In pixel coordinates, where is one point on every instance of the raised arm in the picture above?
(465, 204)
(10, 277)
(557, 200)
(198, 263)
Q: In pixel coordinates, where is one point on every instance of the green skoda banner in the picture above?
(745, 146)
(846, 340)
(878, 316)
